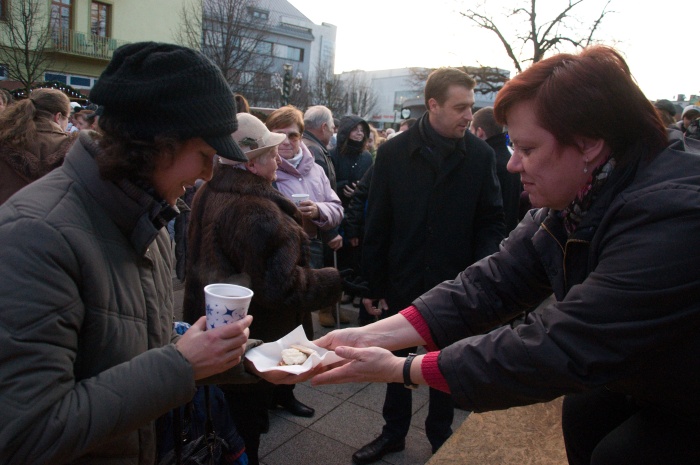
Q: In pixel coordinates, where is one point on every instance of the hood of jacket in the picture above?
(347, 124)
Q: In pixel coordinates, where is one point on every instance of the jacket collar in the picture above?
(305, 165)
(316, 141)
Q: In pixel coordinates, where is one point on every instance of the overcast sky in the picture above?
(387, 34)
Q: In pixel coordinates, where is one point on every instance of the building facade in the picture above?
(397, 94)
(85, 33)
(280, 48)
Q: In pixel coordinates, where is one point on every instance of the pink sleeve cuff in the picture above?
(432, 374)
(418, 322)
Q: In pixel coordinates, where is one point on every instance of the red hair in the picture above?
(591, 94)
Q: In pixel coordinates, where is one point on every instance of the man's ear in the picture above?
(57, 117)
(432, 104)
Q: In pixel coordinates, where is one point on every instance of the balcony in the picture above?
(83, 44)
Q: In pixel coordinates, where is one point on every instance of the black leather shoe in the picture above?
(377, 449)
(298, 409)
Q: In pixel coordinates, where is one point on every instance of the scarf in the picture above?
(296, 159)
(576, 211)
(438, 147)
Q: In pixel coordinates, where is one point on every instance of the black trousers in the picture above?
(248, 405)
(398, 408)
(605, 428)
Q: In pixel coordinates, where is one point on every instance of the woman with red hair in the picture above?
(617, 211)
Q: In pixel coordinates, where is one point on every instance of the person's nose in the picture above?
(514, 164)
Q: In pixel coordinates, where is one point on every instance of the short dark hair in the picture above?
(123, 157)
(485, 120)
(440, 80)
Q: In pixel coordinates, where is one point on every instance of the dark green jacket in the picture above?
(86, 313)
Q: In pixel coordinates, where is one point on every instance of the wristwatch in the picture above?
(407, 372)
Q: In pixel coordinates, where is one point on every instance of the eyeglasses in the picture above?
(292, 136)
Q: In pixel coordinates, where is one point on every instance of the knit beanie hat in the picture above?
(155, 88)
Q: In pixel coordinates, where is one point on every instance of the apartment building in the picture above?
(85, 33)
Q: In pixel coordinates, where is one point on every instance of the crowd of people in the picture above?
(451, 232)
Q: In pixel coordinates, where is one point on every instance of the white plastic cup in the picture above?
(226, 303)
(298, 198)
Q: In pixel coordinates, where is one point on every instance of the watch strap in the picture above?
(407, 372)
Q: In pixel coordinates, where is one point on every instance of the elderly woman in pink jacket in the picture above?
(322, 212)
(299, 174)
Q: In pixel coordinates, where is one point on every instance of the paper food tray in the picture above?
(267, 356)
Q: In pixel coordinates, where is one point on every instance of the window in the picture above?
(61, 15)
(79, 81)
(3, 72)
(56, 77)
(3, 6)
(99, 19)
(263, 48)
(260, 15)
(288, 52)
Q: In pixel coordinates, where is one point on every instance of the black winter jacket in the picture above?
(511, 187)
(627, 309)
(426, 223)
(350, 163)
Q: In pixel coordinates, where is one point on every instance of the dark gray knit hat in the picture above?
(155, 88)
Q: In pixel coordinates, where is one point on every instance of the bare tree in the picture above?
(488, 79)
(521, 25)
(326, 89)
(24, 40)
(358, 96)
(233, 36)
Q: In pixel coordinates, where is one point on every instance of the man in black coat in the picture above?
(434, 208)
(485, 127)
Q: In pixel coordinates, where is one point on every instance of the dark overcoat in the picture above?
(428, 220)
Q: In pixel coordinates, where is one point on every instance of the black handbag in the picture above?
(206, 449)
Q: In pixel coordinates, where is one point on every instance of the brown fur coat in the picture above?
(243, 230)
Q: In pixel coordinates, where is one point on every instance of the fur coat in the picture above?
(244, 231)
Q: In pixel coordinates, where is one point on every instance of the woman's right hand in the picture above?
(349, 189)
(214, 351)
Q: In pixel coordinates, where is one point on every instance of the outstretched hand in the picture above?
(353, 337)
(372, 364)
